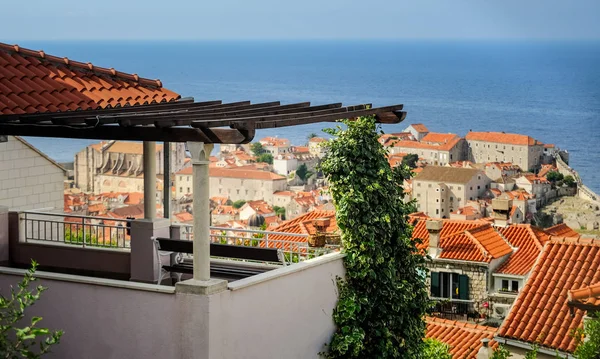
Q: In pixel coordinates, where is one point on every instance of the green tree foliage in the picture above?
(303, 173)
(569, 181)
(257, 149)
(554, 176)
(265, 157)
(435, 349)
(410, 160)
(590, 348)
(30, 341)
(501, 353)
(279, 211)
(383, 299)
(238, 204)
(311, 136)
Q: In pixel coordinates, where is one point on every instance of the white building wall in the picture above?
(28, 180)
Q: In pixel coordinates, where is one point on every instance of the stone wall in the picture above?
(29, 179)
(478, 279)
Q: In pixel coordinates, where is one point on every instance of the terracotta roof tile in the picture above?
(529, 242)
(561, 230)
(427, 146)
(419, 127)
(501, 137)
(540, 313)
(131, 147)
(439, 138)
(185, 171)
(301, 225)
(586, 297)
(463, 338)
(32, 81)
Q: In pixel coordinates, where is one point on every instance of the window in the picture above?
(437, 189)
(460, 199)
(442, 210)
(449, 285)
(451, 198)
(459, 188)
(471, 188)
(437, 211)
(437, 200)
(418, 195)
(442, 202)
(451, 187)
(470, 198)
(238, 191)
(450, 156)
(180, 189)
(478, 187)
(188, 190)
(515, 286)
(188, 178)
(479, 177)
(504, 284)
(429, 185)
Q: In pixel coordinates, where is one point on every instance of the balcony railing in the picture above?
(446, 307)
(85, 231)
(294, 245)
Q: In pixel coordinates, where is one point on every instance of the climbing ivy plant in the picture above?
(383, 298)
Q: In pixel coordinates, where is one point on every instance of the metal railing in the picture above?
(453, 307)
(294, 245)
(84, 231)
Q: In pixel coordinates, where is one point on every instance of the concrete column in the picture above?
(144, 259)
(149, 179)
(200, 159)
(167, 180)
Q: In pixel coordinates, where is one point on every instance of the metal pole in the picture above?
(167, 180)
(149, 179)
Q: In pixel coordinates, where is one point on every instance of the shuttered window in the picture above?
(435, 284)
(463, 287)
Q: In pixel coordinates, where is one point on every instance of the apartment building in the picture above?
(440, 190)
(434, 148)
(521, 150)
(275, 145)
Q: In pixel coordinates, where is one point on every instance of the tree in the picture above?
(501, 353)
(383, 298)
(590, 348)
(435, 349)
(30, 341)
(238, 204)
(266, 158)
(303, 173)
(257, 149)
(554, 176)
(279, 211)
(410, 160)
(569, 181)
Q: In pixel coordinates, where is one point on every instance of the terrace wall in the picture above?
(284, 313)
(108, 319)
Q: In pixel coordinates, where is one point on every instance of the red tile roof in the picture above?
(389, 139)
(529, 242)
(501, 137)
(426, 146)
(540, 313)
(134, 198)
(463, 338)
(184, 217)
(466, 240)
(561, 230)
(586, 297)
(301, 225)
(419, 127)
(547, 169)
(439, 138)
(186, 171)
(32, 81)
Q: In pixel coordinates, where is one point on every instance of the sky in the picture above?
(305, 19)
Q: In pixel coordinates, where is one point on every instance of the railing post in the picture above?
(266, 239)
(83, 231)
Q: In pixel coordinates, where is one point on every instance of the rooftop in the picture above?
(502, 137)
(419, 127)
(245, 174)
(529, 242)
(587, 298)
(561, 230)
(463, 338)
(540, 313)
(447, 174)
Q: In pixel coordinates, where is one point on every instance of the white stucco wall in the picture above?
(115, 319)
(284, 313)
(28, 180)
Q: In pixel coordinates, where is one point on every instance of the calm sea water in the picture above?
(549, 90)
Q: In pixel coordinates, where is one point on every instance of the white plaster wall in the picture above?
(27, 179)
(285, 313)
(107, 322)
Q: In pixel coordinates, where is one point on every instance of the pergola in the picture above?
(200, 124)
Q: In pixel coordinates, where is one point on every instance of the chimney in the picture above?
(321, 224)
(434, 227)
(485, 352)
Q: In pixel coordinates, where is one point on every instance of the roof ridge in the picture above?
(574, 240)
(64, 61)
(477, 243)
(536, 240)
(463, 325)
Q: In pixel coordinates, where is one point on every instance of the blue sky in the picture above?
(305, 19)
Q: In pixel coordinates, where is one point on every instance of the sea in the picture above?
(546, 89)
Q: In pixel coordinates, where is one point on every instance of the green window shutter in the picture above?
(463, 287)
(435, 284)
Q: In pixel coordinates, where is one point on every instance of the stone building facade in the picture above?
(521, 150)
(441, 190)
(247, 185)
(28, 178)
(119, 158)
